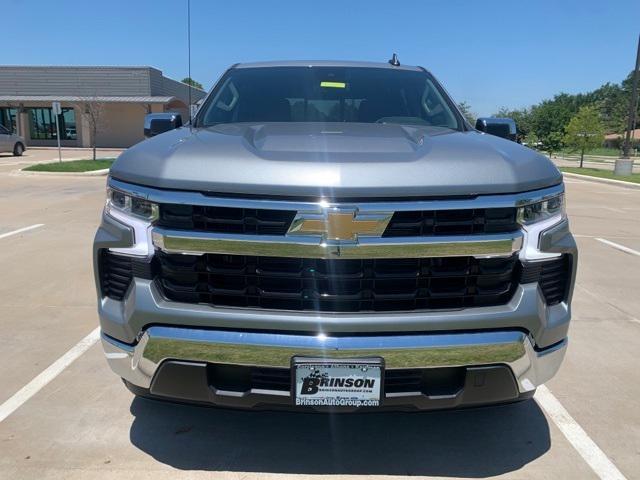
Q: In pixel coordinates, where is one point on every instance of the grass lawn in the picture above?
(595, 172)
(599, 152)
(72, 166)
(607, 152)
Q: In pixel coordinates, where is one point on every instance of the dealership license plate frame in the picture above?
(301, 365)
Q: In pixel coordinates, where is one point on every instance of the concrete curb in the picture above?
(92, 173)
(589, 178)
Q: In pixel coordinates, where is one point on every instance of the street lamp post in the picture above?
(624, 165)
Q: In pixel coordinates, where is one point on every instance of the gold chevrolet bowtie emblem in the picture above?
(340, 224)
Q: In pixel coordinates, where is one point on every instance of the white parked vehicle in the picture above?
(10, 142)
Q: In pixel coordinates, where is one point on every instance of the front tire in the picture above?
(18, 149)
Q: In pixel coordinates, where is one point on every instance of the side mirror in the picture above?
(500, 127)
(157, 123)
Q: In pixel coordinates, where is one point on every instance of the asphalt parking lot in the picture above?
(83, 423)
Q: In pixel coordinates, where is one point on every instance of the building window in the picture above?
(43, 124)
(8, 118)
(69, 122)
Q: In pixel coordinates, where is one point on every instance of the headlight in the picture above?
(137, 213)
(541, 211)
(130, 205)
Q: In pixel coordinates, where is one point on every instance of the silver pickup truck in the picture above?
(333, 236)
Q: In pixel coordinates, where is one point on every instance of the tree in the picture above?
(613, 104)
(192, 82)
(548, 120)
(585, 131)
(522, 117)
(465, 108)
(532, 140)
(92, 111)
(553, 115)
(552, 142)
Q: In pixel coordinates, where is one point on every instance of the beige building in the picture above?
(113, 99)
(615, 140)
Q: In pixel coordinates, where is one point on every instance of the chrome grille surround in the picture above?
(370, 245)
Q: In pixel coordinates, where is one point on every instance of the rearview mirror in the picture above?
(500, 127)
(157, 123)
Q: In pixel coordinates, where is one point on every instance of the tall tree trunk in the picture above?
(581, 156)
(94, 143)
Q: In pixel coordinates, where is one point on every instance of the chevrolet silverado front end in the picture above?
(333, 235)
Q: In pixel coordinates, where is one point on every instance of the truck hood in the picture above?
(338, 160)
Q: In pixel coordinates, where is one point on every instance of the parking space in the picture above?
(83, 423)
(46, 296)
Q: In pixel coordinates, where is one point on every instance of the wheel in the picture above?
(18, 149)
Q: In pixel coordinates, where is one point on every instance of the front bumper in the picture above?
(492, 367)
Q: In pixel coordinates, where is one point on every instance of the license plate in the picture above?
(337, 383)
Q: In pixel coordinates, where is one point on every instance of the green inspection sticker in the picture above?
(333, 84)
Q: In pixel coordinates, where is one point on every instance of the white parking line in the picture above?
(630, 237)
(612, 209)
(20, 230)
(617, 246)
(55, 369)
(587, 448)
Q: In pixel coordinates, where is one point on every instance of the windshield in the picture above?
(328, 94)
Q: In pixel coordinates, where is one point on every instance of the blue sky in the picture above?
(489, 53)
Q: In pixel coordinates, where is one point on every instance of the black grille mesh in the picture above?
(277, 222)
(246, 221)
(430, 381)
(452, 222)
(337, 285)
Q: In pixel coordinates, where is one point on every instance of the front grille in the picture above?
(251, 221)
(553, 277)
(248, 221)
(452, 222)
(337, 285)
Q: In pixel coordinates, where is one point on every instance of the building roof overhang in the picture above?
(84, 99)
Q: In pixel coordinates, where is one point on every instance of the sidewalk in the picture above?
(560, 162)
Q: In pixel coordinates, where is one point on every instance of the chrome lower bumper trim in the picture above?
(138, 363)
(198, 243)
